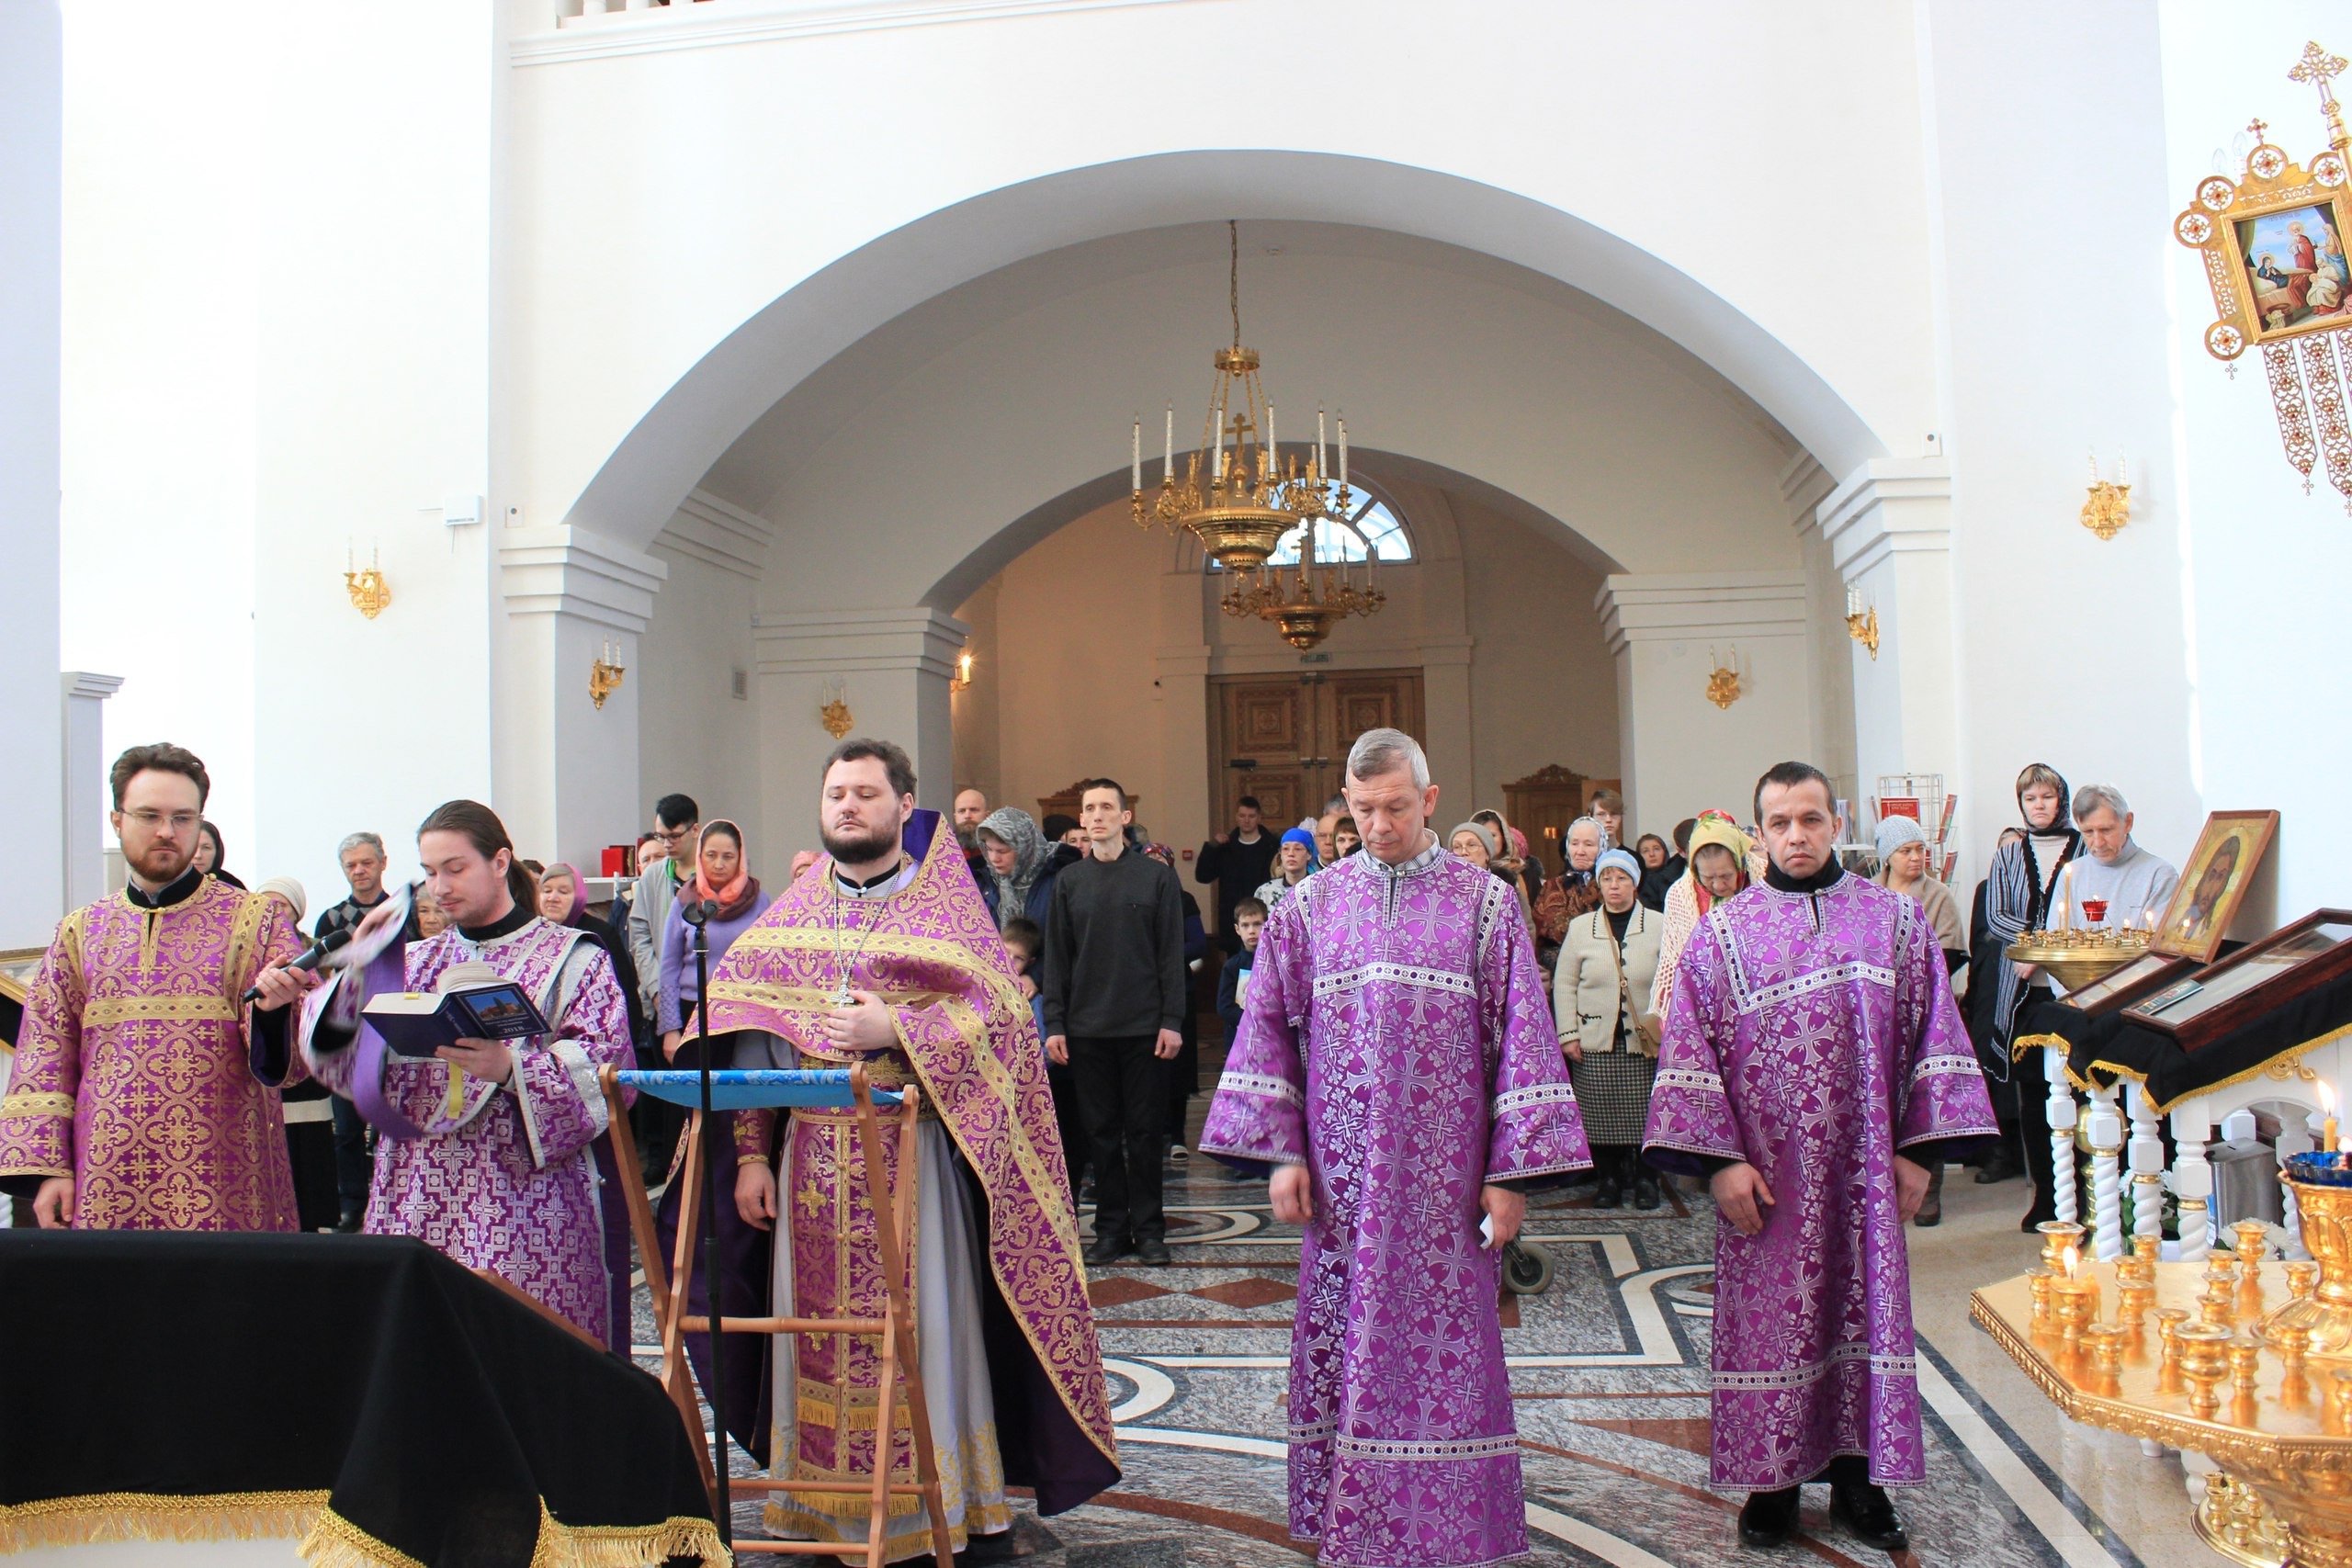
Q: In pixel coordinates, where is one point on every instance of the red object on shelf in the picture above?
(616, 861)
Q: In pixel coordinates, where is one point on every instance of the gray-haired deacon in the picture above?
(2117, 883)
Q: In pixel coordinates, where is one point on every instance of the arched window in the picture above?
(1372, 529)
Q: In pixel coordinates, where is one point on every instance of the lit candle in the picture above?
(2327, 1109)
(1168, 457)
(2073, 1259)
(1136, 455)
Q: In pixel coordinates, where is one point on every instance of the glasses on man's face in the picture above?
(674, 837)
(177, 821)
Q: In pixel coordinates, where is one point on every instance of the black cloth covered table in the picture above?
(363, 1390)
(2102, 1050)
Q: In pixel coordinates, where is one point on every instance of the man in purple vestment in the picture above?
(1814, 1068)
(1396, 1066)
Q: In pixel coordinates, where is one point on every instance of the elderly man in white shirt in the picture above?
(2115, 883)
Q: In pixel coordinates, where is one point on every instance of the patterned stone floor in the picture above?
(1608, 1368)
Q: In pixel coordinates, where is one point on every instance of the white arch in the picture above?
(677, 440)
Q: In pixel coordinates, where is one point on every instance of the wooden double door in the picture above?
(1285, 739)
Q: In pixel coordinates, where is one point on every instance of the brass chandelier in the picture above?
(1241, 498)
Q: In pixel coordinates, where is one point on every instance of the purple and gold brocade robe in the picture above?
(504, 1179)
(134, 1075)
(1398, 1041)
(1813, 1035)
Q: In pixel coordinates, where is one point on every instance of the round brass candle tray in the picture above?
(2323, 1311)
(2076, 958)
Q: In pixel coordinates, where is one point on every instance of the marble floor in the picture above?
(1608, 1368)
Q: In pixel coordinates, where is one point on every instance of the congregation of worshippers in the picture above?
(1420, 1021)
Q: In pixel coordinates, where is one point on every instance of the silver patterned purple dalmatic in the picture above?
(1397, 1041)
(1814, 1035)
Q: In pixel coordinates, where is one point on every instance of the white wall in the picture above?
(2267, 563)
(2047, 137)
(161, 258)
(31, 706)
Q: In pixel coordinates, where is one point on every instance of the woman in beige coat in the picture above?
(1600, 994)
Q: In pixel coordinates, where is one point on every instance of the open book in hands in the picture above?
(470, 1001)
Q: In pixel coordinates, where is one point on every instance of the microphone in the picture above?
(695, 913)
(310, 956)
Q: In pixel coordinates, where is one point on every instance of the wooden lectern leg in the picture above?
(676, 1382)
(901, 1356)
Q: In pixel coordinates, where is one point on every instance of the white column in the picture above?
(567, 769)
(2192, 1178)
(1888, 529)
(891, 667)
(32, 122)
(85, 784)
(2106, 1130)
(2059, 1107)
(2146, 1156)
(1679, 753)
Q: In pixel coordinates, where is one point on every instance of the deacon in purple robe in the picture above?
(1397, 1067)
(1813, 1064)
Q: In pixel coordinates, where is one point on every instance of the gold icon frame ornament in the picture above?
(1862, 620)
(2306, 349)
(604, 674)
(369, 593)
(1723, 681)
(2110, 506)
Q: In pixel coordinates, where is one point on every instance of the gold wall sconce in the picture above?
(1862, 620)
(1723, 681)
(604, 675)
(833, 712)
(2110, 506)
(369, 593)
(962, 679)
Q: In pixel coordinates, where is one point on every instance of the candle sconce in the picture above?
(1723, 681)
(603, 675)
(369, 593)
(962, 679)
(834, 712)
(2110, 506)
(1861, 621)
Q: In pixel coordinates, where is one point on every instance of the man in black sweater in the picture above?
(1114, 1004)
(1239, 863)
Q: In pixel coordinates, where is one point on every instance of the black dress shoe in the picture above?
(1645, 1193)
(350, 1222)
(1613, 1192)
(1153, 1251)
(1999, 1165)
(1109, 1249)
(1768, 1519)
(1868, 1514)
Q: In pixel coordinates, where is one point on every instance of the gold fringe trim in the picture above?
(149, 1516)
(2285, 1068)
(327, 1539)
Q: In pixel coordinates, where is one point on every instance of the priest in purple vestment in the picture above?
(1814, 1068)
(1396, 1066)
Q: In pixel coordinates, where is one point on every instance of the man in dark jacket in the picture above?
(1237, 862)
(1115, 1008)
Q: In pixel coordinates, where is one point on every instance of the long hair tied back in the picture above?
(482, 829)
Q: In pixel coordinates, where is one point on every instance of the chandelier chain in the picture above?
(1233, 276)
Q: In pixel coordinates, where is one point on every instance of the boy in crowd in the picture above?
(1233, 980)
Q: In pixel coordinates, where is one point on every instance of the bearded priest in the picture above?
(138, 1101)
(883, 952)
(1814, 1068)
(1397, 1067)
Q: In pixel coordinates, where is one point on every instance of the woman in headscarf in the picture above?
(2017, 888)
(723, 881)
(1600, 994)
(1295, 860)
(210, 857)
(1717, 840)
(562, 902)
(1018, 866)
(1903, 868)
(1573, 892)
(1515, 859)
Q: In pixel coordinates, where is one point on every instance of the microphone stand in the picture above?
(697, 916)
